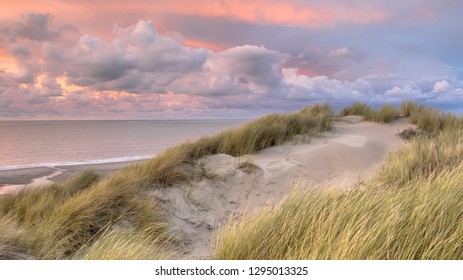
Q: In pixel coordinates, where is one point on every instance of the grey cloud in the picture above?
(20, 52)
(50, 87)
(256, 64)
(157, 53)
(27, 74)
(138, 61)
(32, 26)
(241, 72)
(28, 68)
(36, 27)
(97, 61)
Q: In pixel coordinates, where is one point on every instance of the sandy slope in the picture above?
(351, 152)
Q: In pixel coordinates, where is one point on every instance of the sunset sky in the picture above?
(140, 59)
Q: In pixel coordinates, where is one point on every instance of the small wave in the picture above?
(72, 163)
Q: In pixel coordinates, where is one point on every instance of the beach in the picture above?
(62, 148)
(11, 180)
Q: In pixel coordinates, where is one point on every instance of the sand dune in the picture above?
(351, 152)
(230, 186)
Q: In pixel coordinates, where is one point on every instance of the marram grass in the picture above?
(420, 220)
(126, 244)
(385, 114)
(412, 209)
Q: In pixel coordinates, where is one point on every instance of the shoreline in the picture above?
(35, 176)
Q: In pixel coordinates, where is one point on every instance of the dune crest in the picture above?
(230, 186)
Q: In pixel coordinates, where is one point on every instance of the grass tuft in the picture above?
(430, 119)
(385, 114)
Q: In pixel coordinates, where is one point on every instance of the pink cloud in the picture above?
(441, 86)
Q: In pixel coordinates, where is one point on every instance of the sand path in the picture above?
(351, 152)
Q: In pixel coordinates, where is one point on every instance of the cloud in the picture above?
(35, 27)
(95, 61)
(324, 89)
(250, 64)
(50, 87)
(142, 34)
(240, 65)
(239, 73)
(28, 69)
(441, 86)
(139, 60)
(397, 94)
(339, 52)
(32, 26)
(20, 52)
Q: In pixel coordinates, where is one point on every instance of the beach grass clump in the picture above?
(28, 206)
(359, 109)
(384, 114)
(408, 107)
(430, 119)
(273, 130)
(126, 244)
(59, 220)
(422, 220)
(423, 156)
(14, 244)
(113, 202)
(247, 165)
(425, 118)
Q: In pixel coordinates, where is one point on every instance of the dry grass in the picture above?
(126, 244)
(422, 220)
(56, 221)
(423, 157)
(412, 209)
(430, 119)
(385, 114)
(246, 164)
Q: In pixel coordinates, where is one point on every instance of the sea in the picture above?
(29, 144)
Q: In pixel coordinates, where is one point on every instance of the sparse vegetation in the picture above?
(410, 133)
(247, 165)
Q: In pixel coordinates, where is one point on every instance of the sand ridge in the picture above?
(351, 152)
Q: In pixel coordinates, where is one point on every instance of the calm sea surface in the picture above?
(51, 143)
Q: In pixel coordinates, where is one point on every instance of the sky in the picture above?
(182, 59)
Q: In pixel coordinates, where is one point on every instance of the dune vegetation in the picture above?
(117, 217)
(411, 209)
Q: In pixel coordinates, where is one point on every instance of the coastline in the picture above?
(13, 179)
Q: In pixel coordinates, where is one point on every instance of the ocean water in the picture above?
(26, 144)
